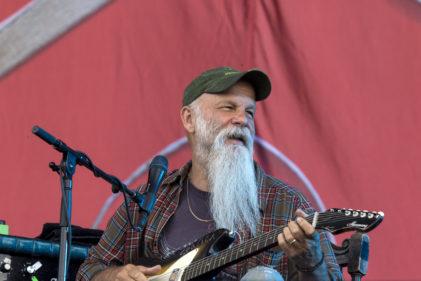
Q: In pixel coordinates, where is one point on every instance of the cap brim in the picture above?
(260, 81)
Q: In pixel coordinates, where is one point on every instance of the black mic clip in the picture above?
(54, 167)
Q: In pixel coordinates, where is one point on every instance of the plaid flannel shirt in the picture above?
(122, 245)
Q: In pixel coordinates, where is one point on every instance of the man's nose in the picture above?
(240, 119)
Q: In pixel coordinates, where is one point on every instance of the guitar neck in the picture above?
(333, 220)
(235, 253)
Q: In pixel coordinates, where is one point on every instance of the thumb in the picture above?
(150, 270)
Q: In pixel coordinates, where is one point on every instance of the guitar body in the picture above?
(174, 268)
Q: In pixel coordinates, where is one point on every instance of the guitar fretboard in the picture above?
(235, 253)
(334, 220)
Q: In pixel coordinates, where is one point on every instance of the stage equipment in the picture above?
(66, 170)
(33, 259)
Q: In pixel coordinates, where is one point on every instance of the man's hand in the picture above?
(127, 272)
(301, 242)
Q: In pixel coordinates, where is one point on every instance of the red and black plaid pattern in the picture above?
(121, 245)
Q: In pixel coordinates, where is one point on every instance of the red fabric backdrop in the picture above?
(344, 107)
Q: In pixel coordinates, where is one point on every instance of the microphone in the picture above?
(157, 171)
(359, 249)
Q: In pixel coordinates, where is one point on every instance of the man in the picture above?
(220, 188)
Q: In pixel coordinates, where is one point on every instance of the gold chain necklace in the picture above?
(190, 209)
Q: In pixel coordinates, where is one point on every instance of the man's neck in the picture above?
(198, 176)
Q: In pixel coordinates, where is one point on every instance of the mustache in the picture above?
(242, 134)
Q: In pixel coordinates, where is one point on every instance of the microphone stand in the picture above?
(66, 170)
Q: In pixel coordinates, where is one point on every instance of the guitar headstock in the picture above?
(340, 220)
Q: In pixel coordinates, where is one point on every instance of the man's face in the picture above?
(222, 141)
(235, 108)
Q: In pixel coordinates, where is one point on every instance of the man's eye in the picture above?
(228, 107)
(250, 113)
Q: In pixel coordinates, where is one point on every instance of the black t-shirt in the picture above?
(184, 228)
(191, 221)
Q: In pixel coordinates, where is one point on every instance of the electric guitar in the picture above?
(204, 258)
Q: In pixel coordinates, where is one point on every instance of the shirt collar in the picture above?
(260, 175)
(179, 175)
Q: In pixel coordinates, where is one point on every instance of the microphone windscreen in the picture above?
(157, 171)
(262, 273)
(160, 161)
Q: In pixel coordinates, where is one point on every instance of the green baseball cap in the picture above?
(218, 80)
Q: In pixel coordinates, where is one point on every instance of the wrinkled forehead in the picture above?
(242, 92)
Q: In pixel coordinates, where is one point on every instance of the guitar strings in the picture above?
(212, 262)
(234, 249)
(252, 242)
(209, 260)
(196, 267)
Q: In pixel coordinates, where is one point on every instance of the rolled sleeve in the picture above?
(110, 249)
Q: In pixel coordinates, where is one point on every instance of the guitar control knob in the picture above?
(6, 265)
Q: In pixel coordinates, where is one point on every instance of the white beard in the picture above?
(234, 201)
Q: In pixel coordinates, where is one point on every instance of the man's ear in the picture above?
(186, 114)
